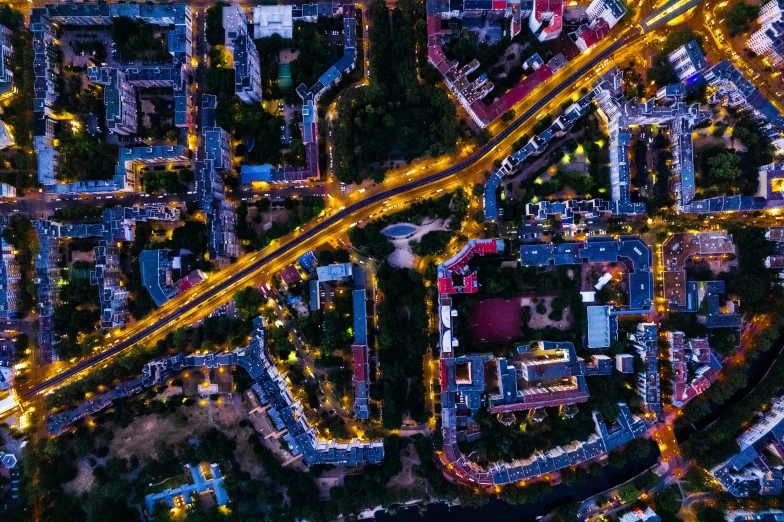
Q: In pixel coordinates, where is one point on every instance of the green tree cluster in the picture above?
(394, 115)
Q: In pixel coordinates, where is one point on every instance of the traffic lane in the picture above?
(339, 218)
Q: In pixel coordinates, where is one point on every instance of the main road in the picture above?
(184, 309)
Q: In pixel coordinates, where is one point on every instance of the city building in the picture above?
(565, 211)
(694, 367)
(611, 11)
(589, 35)
(308, 261)
(119, 98)
(737, 91)
(621, 114)
(750, 472)
(10, 463)
(624, 363)
(205, 479)
(360, 381)
(174, 19)
(117, 226)
(211, 192)
(646, 341)
(632, 251)
(768, 41)
(689, 296)
(770, 515)
(247, 70)
(273, 19)
(165, 273)
(546, 19)
(542, 374)
(309, 127)
(271, 388)
(640, 515)
(334, 272)
(6, 69)
(108, 276)
(687, 60)
(10, 277)
(454, 275)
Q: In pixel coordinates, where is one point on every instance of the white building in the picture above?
(611, 11)
(687, 60)
(247, 69)
(273, 19)
(769, 12)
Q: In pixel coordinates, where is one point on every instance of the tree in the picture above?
(628, 493)
(509, 115)
(739, 16)
(214, 31)
(724, 168)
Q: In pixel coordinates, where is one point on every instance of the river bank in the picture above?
(500, 510)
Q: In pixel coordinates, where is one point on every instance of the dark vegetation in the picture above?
(396, 115)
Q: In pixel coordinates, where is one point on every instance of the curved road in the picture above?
(303, 238)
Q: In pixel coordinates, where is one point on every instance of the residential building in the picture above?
(632, 251)
(205, 480)
(750, 472)
(624, 363)
(454, 276)
(694, 367)
(646, 341)
(737, 91)
(108, 276)
(247, 70)
(640, 515)
(546, 19)
(6, 69)
(770, 515)
(119, 97)
(589, 35)
(334, 272)
(611, 11)
(273, 19)
(165, 273)
(688, 296)
(10, 277)
(687, 60)
(360, 381)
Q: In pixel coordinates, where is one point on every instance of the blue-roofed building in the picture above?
(6, 68)
(687, 60)
(599, 332)
(733, 87)
(164, 276)
(205, 480)
(334, 272)
(631, 250)
(491, 205)
(750, 472)
(308, 261)
(646, 341)
(10, 277)
(360, 317)
(247, 70)
(270, 386)
(119, 98)
(315, 295)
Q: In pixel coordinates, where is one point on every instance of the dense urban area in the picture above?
(402, 260)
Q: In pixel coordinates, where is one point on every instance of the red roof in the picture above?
(512, 97)
(470, 284)
(290, 275)
(360, 363)
(595, 33)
